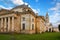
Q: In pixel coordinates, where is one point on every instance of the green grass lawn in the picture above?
(44, 36)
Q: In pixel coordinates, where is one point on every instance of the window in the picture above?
(23, 26)
(32, 20)
(23, 18)
(32, 26)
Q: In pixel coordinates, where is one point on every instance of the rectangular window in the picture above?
(23, 26)
(33, 20)
(32, 26)
(23, 18)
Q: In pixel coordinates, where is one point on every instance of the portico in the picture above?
(7, 23)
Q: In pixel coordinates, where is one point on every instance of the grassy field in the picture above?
(44, 36)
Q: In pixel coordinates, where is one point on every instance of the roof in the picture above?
(22, 6)
(41, 17)
(4, 11)
(30, 11)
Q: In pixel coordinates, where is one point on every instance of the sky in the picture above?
(38, 6)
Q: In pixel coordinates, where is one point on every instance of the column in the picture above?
(12, 24)
(5, 24)
(8, 24)
(1, 24)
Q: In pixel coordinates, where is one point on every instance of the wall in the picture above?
(28, 23)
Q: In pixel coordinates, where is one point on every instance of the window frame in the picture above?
(23, 18)
(23, 26)
(32, 19)
(32, 26)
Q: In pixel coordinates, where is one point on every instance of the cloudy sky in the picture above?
(38, 6)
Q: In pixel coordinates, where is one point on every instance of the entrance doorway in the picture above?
(49, 29)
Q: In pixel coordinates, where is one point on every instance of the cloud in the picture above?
(34, 10)
(11, 2)
(5, 7)
(55, 17)
(55, 1)
(37, 0)
(56, 8)
(53, 9)
(19, 2)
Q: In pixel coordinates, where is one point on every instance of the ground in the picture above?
(44, 36)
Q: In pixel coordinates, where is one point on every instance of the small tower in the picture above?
(47, 18)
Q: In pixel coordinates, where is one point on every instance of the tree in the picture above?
(59, 27)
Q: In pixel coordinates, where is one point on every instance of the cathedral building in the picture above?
(48, 24)
(21, 19)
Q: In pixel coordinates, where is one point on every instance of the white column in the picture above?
(5, 24)
(8, 24)
(12, 24)
(1, 24)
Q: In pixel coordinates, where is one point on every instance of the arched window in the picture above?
(32, 26)
(23, 26)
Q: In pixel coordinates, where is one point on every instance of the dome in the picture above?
(21, 8)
